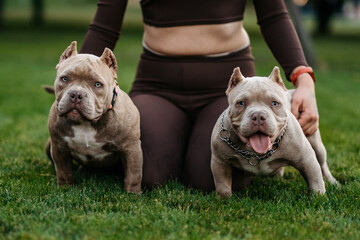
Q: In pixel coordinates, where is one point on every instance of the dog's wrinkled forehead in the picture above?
(258, 89)
(257, 86)
(84, 66)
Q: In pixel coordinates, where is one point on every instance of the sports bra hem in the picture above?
(192, 22)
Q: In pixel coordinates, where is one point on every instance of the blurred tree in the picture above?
(1, 13)
(38, 12)
(325, 9)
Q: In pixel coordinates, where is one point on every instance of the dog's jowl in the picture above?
(92, 121)
(258, 134)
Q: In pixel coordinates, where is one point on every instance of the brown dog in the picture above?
(258, 134)
(92, 121)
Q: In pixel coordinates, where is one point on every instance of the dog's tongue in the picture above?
(260, 142)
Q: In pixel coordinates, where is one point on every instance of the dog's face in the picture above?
(257, 108)
(84, 84)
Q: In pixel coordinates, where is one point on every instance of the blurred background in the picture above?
(24, 22)
(51, 21)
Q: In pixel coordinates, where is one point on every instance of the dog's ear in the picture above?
(276, 77)
(235, 78)
(109, 59)
(69, 52)
(49, 89)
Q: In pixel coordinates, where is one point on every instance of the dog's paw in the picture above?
(317, 191)
(136, 189)
(224, 194)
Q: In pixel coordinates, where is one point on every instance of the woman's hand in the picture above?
(303, 104)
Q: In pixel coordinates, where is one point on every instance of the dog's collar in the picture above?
(224, 135)
(115, 94)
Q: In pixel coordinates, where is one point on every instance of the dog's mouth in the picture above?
(76, 115)
(258, 142)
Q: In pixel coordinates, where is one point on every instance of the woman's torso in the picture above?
(194, 27)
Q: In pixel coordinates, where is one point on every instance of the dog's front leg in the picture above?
(222, 173)
(311, 171)
(133, 162)
(63, 165)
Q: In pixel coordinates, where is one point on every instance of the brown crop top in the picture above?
(170, 13)
(272, 16)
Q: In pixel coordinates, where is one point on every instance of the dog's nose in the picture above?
(258, 118)
(76, 96)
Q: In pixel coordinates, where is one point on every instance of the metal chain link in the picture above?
(247, 154)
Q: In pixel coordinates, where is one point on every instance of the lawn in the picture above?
(32, 207)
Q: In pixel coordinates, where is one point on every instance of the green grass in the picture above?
(32, 207)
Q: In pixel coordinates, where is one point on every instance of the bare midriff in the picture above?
(196, 39)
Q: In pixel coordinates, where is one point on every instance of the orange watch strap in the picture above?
(301, 71)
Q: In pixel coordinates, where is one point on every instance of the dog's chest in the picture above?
(84, 146)
(265, 167)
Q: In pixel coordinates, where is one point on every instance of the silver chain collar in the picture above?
(247, 154)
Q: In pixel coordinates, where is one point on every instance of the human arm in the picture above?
(281, 37)
(104, 31)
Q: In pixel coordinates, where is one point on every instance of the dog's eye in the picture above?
(275, 104)
(241, 103)
(64, 79)
(98, 84)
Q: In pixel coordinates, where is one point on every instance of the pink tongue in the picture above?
(260, 142)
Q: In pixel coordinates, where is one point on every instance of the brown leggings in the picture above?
(179, 100)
